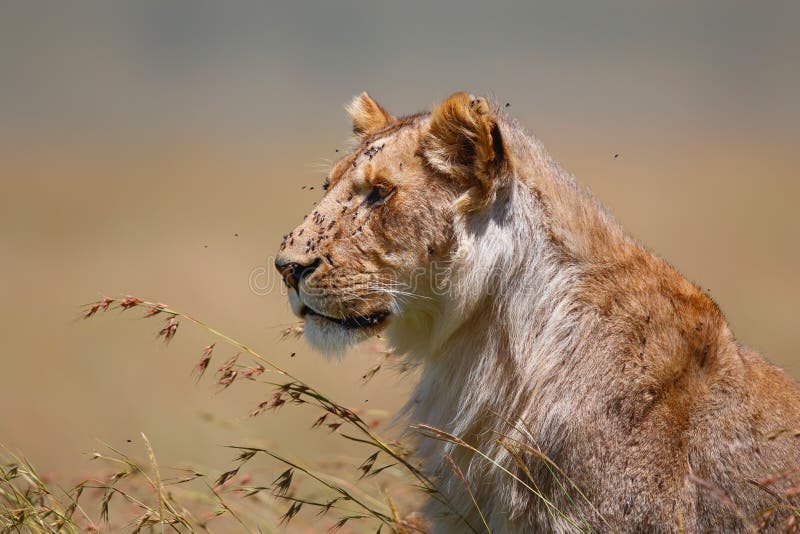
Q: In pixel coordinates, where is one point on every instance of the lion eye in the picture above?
(378, 195)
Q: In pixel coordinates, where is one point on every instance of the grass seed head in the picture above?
(169, 329)
(281, 485)
(155, 310)
(94, 307)
(129, 302)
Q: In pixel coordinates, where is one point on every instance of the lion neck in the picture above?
(511, 320)
(544, 287)
(510, 292)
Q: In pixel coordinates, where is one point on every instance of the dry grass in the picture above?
(339, 494)
(373, 494)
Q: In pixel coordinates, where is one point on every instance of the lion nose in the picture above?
(292, 272)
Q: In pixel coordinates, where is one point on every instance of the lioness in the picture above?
(550, 341)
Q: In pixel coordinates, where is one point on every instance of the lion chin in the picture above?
(333, 339)
(328, 338)
(332, 336)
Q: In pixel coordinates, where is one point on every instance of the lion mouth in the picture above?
(362, 321)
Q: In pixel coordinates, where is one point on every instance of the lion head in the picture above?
(374, 253)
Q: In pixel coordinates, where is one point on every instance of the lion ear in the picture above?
(367, 115)
(464, 140)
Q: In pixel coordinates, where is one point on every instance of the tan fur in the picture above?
(462, 142)
(367, 115)
(537, 321)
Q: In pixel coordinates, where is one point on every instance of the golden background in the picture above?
(137, 138)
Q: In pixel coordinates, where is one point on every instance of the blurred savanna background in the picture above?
(161, 149)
